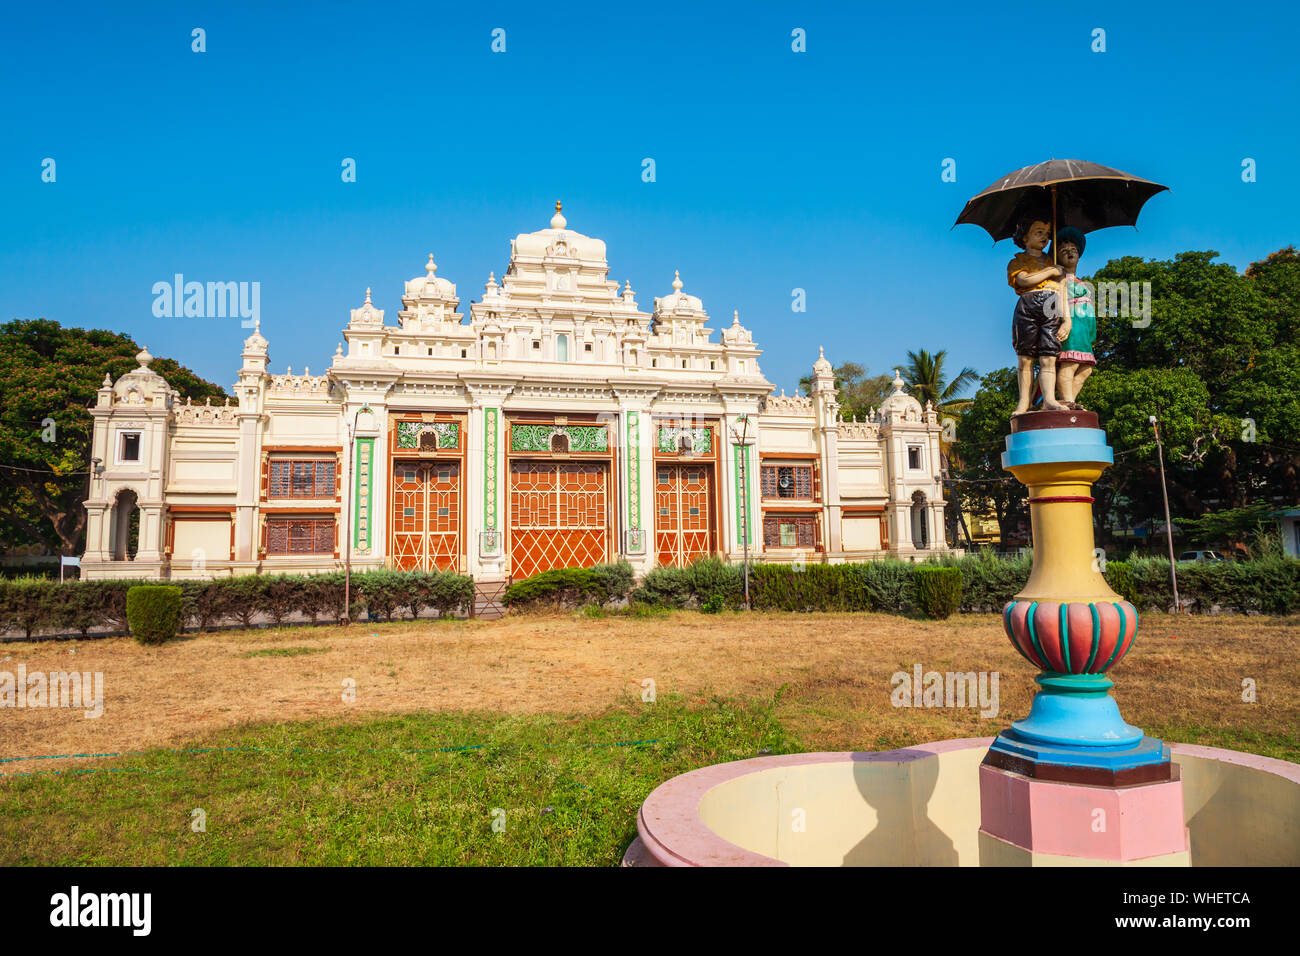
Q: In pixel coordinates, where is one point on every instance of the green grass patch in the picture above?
(1278, 746)
(416, 789)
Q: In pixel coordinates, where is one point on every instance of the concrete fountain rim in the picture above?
(671, 830)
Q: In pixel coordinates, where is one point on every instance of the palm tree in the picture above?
(924, 376)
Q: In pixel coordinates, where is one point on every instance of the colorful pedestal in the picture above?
(1072, 781)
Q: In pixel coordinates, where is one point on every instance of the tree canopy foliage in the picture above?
(1218, 363)
(859, 390)
(48, 379)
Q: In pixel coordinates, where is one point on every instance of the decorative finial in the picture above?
(677, 280)
(368, 295)
(490, 287)
(339, 351)
(143, 357)
(430, 267)
(108, 381)
(735, 317)
(558, 221)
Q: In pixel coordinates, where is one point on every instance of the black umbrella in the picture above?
(1085, 195)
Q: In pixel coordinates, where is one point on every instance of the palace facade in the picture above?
(561, 425)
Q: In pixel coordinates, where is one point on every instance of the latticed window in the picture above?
(790, 531)
(303, 477)
(300, 535)
(788, 481)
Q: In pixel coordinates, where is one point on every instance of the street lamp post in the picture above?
(347, 524)
(1169, 528)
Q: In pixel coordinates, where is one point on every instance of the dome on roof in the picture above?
(558, 241)
(256, 341)
(429, 285)
(822, 366)
(900, 404)
(678, 301)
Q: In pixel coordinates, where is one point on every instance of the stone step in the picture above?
(487, 599)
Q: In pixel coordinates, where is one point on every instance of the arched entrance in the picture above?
(125, 526)
(920, 522)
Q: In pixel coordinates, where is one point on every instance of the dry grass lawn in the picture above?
(1184, 678)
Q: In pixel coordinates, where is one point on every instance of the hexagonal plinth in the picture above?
(1049, 819)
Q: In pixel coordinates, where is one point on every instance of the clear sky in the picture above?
(775, 170)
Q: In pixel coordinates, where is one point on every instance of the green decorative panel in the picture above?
(408, 434)
(364, 494)
(701, 439)
(491, 420)
(634, 468)
(745, 478)
(538, 437)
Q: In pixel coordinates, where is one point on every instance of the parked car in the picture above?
(1189, 556)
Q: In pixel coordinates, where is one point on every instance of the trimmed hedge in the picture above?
(40, 605)
(1120, 578)
(154, 612)
(938, 591)
(710, 584)
(556, 588)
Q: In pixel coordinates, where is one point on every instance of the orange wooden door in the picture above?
(426, 515)
(559, 516)
(683, 513)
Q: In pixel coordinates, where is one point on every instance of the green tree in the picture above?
(48, 378)
(858, 390)
(985, 488)
(1236, 335)
(925, 376)
(1190, 431)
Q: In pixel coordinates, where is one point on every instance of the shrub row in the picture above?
(37, 605)
(985, 583)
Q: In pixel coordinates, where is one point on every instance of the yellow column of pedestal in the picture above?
(1065, 567)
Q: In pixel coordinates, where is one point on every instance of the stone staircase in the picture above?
(488, 605)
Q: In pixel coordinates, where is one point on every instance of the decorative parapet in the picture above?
(205, 414)
(297, 386)
(784, 404)
(859, 430)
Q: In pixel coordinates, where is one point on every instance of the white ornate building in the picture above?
(560, 425)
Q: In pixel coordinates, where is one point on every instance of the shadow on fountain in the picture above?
(900, 791)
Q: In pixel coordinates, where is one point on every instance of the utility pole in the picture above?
(1169, 527)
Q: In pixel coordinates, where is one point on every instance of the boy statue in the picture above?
(1036, 324)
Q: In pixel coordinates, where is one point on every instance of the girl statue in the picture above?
(1079, 326)
(1036, 322)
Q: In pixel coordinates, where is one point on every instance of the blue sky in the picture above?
(775, 170)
